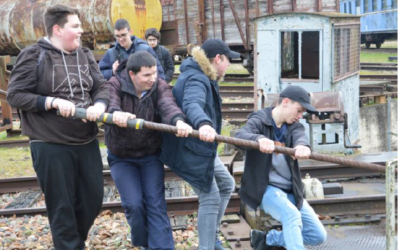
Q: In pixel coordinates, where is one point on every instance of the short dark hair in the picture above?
(57, 15)
(140, 59)
(121, 24)
(153, 32)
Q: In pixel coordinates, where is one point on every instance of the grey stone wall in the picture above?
(373, 127)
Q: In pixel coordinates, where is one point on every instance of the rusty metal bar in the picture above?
(5, 107)
(222, 17)
(139, 123)
(238, 25)
(202, 32)
(186, 21)
(246, 12)
(319, 5)
(213, 17)
(257, 8)
(294, 5)
(270, 7)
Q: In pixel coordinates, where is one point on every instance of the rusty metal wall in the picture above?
(222, 23)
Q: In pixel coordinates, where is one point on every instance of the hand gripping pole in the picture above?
(140, 123)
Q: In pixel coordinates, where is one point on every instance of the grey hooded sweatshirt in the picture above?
(74, 77)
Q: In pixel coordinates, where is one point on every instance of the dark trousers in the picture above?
(71, 179)
(140, 183)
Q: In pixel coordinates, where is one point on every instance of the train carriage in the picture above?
(378, 19)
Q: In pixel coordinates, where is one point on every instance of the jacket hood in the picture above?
(199, 61)
(45, 43)
(265, 115)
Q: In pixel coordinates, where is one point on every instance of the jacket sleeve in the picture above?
(169, 111)
(21, 92)
(99, 91)
(106, 66)
(193, 103)
(299, 136)
(169, 66)
(114, 87)
(252, 130)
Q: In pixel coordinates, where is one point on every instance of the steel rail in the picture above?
(176, 205)
(139, 124)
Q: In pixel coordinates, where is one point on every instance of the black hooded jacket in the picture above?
(258, 165)
(74, 77)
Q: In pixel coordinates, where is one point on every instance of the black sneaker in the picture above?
(258, 240)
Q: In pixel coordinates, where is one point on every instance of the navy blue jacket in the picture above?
(197, 94)
(119, 53)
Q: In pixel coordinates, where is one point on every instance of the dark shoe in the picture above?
(258, 240)
(218, 246)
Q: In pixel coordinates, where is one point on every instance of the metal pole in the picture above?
(80, 113)
(390, 205)
(389, 122)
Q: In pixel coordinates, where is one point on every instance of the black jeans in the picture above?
(71, 179)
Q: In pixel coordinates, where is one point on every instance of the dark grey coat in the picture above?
(166, 62)
(258, 165)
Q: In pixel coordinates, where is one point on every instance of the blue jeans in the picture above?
(213, 205)
(140, 183)
(300, 227)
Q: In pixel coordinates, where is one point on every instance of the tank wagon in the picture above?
(378, 19)
(22, 21)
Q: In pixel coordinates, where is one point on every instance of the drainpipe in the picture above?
(390, 205)
(389, 133)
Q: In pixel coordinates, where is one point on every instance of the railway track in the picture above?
(331, 205)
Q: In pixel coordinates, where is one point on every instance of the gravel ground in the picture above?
(110, 231)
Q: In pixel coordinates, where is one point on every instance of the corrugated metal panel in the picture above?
(368, 237)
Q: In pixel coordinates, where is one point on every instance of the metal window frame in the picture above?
(347, 73)
(300, 31)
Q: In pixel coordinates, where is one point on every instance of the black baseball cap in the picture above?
(300, 95)
(213, 47)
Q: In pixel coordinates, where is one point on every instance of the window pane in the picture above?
(346, 50)
(366, 6)
(310, 55)
(289, 54)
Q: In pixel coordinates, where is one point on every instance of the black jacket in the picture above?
(166, 62)
(258, 165)
(74, 77)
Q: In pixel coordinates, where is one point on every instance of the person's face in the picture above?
(123, 36)
(144, 79)
(293, 111)
(70, 33)
(152, 41)
(221, 63)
